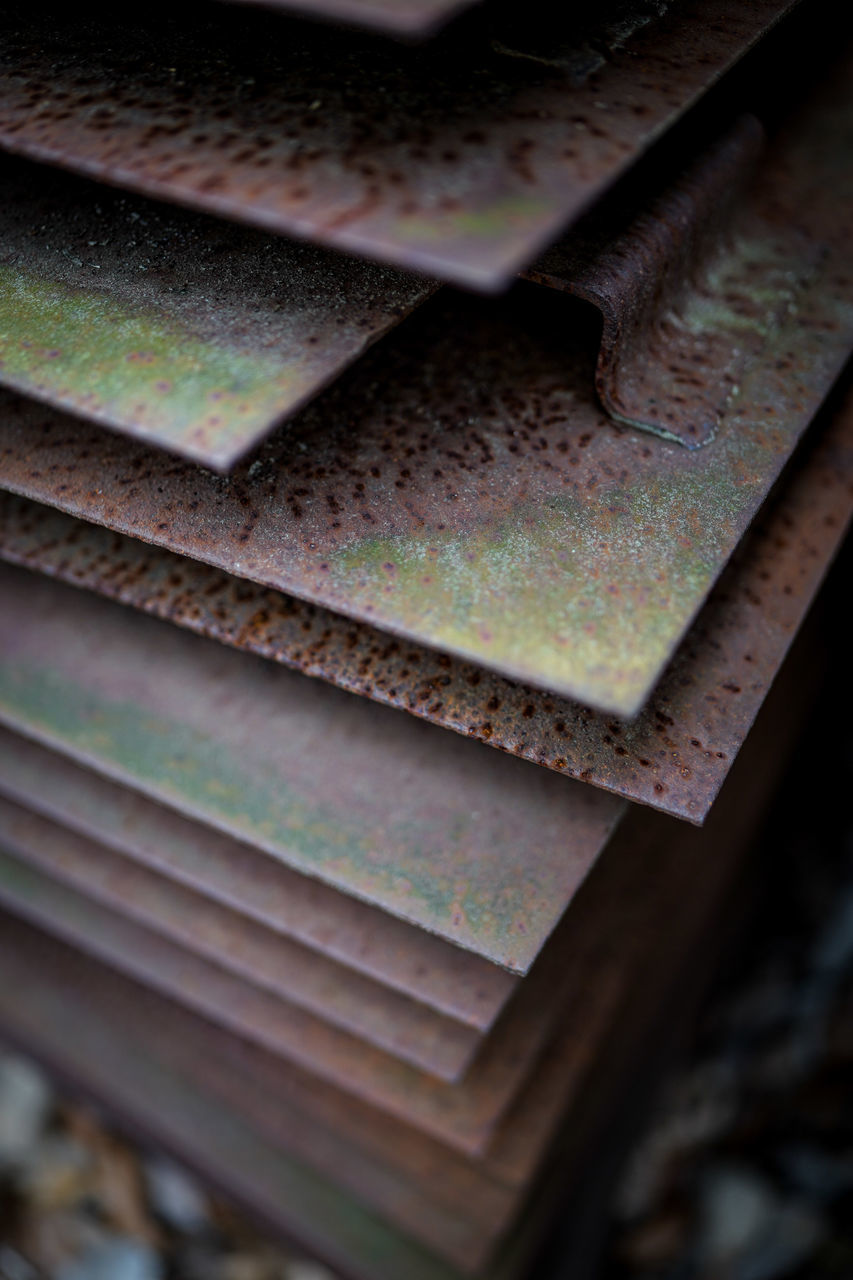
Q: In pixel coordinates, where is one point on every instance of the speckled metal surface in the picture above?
(303, 979)
(184, 331)
(461, 487)
(436, 974)
(674, 756)
(381, 806)
(461, 160)
(687, 290)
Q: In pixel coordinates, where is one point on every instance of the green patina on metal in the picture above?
(113, 363)
(305, 772)
(568, 576)
(461, 486)
(192, 334)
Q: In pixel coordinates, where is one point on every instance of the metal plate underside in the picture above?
(307, 980)
(463, 1114)
(185, 331)
(461, 486)
(481, 849)
(655, 870)
(410, 18)
(460, 160)
(399, 956)
(674, 756)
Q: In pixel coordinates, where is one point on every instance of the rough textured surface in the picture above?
(478, 848)
(687, 289)
(460, 160)
(461, 487)
(181, 330)
(673, 756)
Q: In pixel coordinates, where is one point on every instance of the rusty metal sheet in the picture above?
(454, 982)
(674, 756)
(687, 286)
(306, 979)
(460, 487)
(190, 333)
(481, 849)
(460, 160)
(53, 1019)
(462, 1114)
(656, 869)
(409, 18)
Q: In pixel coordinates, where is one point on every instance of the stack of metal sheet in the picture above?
(386, 984)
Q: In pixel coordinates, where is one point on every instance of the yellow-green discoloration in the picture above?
(139, 369)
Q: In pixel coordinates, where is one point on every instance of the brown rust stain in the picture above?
(461, 160)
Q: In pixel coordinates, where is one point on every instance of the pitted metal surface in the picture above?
(461, 160)
(462, 489)
(674, 756)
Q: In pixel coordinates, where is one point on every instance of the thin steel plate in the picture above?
(460, 160)
(633, 966)
(304, 979)
(463, 1114)
(481, 849)
(674, 756)
(399, 956)
(184, 331)
(461, 487)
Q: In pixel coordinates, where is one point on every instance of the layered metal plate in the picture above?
(674, 755)
(184, 331)
(481, 849)
(622, 961)
(460, 160)
(461, 487)
(260, 891)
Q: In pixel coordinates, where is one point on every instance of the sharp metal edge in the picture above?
(381, 806)
(674, 756)
(305, 979)
(460, 160)
(620, 891)
(187, 332)
(460, 487)
(463, 1115)
(448, 979)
